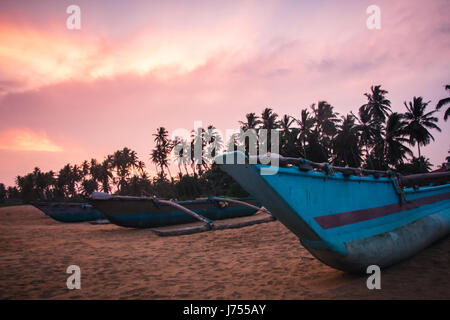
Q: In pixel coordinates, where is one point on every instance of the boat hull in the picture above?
(349, 222)
(69, 212)
(145, 213)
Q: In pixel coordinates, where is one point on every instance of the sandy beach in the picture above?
(263, 261)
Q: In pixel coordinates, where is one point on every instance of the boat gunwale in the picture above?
(155, 200)
(321, 175)
(62, 204)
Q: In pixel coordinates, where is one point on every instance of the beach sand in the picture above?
(264, 261)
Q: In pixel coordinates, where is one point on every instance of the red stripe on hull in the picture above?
(346, 218)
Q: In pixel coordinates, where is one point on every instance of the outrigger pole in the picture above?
(208, 223)
(241, 203)
(197, 216)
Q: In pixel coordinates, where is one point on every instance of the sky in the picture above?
(70, 95)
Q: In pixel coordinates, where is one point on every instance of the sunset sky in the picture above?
(70, 95)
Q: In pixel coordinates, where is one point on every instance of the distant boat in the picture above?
(69, 212)
(148, 212)
(349, 218)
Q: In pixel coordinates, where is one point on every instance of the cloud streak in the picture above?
(26, 140)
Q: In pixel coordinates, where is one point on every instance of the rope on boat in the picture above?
(208, 222)
(241, 203)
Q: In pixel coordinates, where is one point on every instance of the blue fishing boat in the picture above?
(148, 212)
(69, 212)
(348, 218)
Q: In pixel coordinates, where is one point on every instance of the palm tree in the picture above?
(369, 130)
(181, 154)
(88, 186)
(443, 102)
(416, 165)
(43, 182)
(325, 120)
(161, 136)
(346, 143)
(198, 154)
(125, 162)
(67, 182)
(26, 188)
(315, 149)
(269, 123)
(419, 121)
(214, 143)
(159, 156)
(162, 150)
(101, 173)
(394, 147)
(377, 105)
(252, 121)
(305, 124)
(288, 145)
(106, 174)
(249, 132)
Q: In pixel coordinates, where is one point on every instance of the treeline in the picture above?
(120, 173)
(374, 138)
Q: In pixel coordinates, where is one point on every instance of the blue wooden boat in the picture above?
(69, 212)
(147, 212)
(349, 218)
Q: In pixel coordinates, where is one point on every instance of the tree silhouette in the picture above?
(377, 104)
(2, 193)
(395, 151)
(375, 138)
(125, 162)
(346, 143)
(181, 154)
(445, 102)
(288, 138)
(325, 122)
(269, 122)
(419, 121)
(249, 132)
(305, 123)
(160, 154)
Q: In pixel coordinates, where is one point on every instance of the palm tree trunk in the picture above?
(304, 149)
(170, 175)
(368, 157)
(418, 148)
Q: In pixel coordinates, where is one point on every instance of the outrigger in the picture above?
(151, 212)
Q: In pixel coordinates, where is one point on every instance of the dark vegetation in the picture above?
(374, 137)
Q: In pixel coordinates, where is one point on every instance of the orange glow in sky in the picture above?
(26, 140)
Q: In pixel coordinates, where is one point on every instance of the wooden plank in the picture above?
(191, 228)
